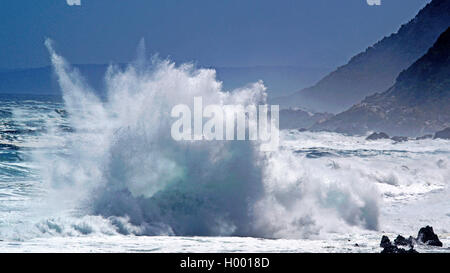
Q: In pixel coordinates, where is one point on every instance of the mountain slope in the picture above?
(418, 103)
(298, 119)
(375, 69)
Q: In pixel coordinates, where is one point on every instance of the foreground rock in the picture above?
(402, 241)
(444, 134)
(427, 236)
(390, 248)
(376, 136)
(385, 242)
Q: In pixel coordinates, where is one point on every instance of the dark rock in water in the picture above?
(427, 236)
(385, 242)
(398, 250)
(402, 241)
(390, 248)
(301, 130)
(399, 139)
(444, 134)
(424, 137)
(412, 250)
(376, 136)
(356, 245)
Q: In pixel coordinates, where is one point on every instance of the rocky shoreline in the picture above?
(443, 134)
(426, 236)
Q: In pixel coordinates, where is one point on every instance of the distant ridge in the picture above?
(42, 81)
(278, 79)
(376, 69)
(418, 103)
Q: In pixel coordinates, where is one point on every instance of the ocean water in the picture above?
(91, 174)
(327, 193)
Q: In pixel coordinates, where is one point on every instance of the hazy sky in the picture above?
(210, 32)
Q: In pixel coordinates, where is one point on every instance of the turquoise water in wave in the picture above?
(409, 182)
